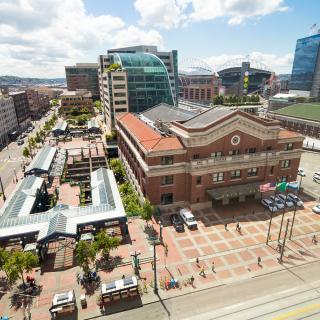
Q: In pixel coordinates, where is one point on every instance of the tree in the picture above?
(18, 263)
(4, 256)
(85, 254)
(37, 138)
(117, 168)
(105, 244)
(98, 105)
(147, 211)
(26, 152)
(218, 100)
(112, 136)
(55, 102)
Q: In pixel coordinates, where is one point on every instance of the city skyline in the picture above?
(37, 44)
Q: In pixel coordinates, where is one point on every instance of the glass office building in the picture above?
(305, 62)
(148, 80)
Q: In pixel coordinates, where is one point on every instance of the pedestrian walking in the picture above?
(259, 261)
(152, 265)
(238, 226)
(314, 239)
(166, 250)
(202, 273)
(192, 279)
(226, 227)
(212, 267)
(197, 261)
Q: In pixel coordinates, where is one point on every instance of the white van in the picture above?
(188, 218)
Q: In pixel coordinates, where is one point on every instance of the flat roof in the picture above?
(149, 138)
(61, 126)
(82, 93)
(310, 111)
(92, 123)
(43, 159)
(167, 113)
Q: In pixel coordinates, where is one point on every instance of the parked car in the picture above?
(269, 205)
(316, 208)
(295, 199)
(188, 218)
(285, 200)
(301, 172)
(20, 142)
(316, 177)
(177, 222)
(277, 202)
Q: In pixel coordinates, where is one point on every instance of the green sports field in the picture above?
(302, 110)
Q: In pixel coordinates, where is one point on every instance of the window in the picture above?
(119, 94)
(251, 150)
(119, 86)
(217, 177)
(285, 164)
(196, 156)
(235, 174)
(166, 180)
(198, 180)
(118, 78)
(167, 160)
(288, 146)
(269, 148)
(233, 152)
(217, 154)
(271, 170)
(252, 172)
(166, 198)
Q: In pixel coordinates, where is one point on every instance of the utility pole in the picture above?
(2, 189)
(155, 290)
(267, 242)
(284, 241)
(284, 210)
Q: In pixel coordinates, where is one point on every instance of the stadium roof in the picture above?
(42, 161)
(167, 113)
(310, 111)
(60, 126)
(63, 219)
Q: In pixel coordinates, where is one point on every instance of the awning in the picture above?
(234, 191)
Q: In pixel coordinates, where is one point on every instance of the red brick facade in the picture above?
(207, 159)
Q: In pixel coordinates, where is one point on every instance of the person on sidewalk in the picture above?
(314, 239)
(202, 273)
(197, 262)
(238, 228)
(226, 227)
(212, 267)
(259, 261)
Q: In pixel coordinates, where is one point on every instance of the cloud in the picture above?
(276, 63)
(173, 13)
(38, 38)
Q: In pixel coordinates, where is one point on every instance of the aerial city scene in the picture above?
(159, 159)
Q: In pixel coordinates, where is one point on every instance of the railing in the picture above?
(236, 158)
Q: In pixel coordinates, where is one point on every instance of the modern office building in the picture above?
(83, 76)
(21, 105)
(216, 157)
(39, 103)
(137, 78)
(8, 119)
(76, 100)
(305, 77)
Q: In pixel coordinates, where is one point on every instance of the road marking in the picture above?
(4, 165)
(297, 311)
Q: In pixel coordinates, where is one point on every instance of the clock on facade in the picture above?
(235, 140)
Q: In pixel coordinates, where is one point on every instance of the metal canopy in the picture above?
(61, 126)
(233, 191)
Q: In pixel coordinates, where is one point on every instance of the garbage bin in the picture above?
(83, 301)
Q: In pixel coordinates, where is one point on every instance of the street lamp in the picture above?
(161, 227)
(155, 290)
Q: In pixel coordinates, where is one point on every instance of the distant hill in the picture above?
(13, 80)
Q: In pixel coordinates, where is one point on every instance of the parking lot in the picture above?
(310, 162)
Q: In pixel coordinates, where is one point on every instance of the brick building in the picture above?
(39, 103)
(22, 108)
(217, 157)
(76, 100)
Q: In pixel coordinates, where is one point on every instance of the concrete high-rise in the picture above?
(305, 77)
(137, 78)
(83, 76)
(21, 106)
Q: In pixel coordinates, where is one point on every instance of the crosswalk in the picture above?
(13, 159)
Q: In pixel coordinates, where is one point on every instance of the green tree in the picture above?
(105, 244)
(147, 211)
(74, 112)
(112, 136)
(26, 152)
(18, 263)
(113, 67)
(37, 138)
(4, 256)
(85, 254)
(98, 105)
(218, 100)
(117, 168)
(55, 102)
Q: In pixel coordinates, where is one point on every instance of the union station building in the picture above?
(219, 156)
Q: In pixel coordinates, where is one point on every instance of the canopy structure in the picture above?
(42, 162)
(63, 220)
(93, 126)
(234, 191)
(60, 128)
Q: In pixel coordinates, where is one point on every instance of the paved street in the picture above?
(8, 165)
(286, 294)
(310, 162)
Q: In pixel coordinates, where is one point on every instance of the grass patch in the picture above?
(309, 111)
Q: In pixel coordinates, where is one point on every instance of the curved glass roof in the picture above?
(148, 80)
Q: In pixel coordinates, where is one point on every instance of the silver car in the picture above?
(268, 204)
(286, 200)
(277, 202)
(295, 199)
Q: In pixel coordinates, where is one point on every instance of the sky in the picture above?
(39, 37)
